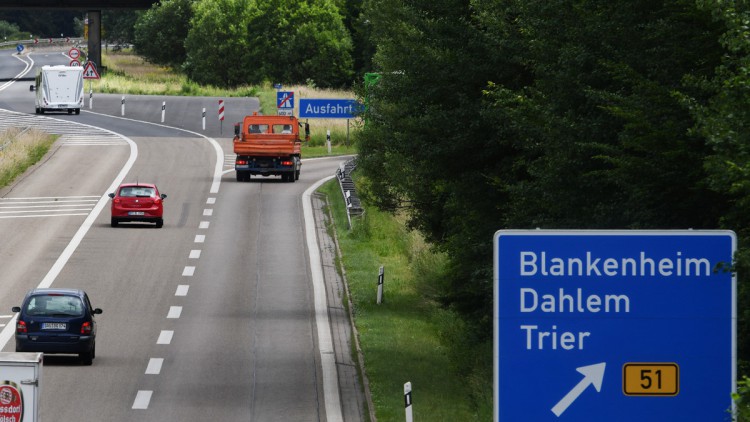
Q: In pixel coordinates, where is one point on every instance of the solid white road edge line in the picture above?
(325, 341)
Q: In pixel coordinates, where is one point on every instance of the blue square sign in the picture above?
(614, 325)
(285, 100)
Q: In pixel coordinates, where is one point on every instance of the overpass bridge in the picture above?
(93, 7)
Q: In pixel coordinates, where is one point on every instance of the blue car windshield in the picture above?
(55, 305)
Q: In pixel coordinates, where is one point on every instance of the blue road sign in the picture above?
(614, 325)
(285, 100)
(329, 108)
(19, 48)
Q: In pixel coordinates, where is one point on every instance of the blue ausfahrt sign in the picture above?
(614, 325)
(329, 108)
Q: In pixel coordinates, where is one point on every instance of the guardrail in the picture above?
(353, 204)
(40, 42)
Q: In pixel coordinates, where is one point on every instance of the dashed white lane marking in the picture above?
(182, 290)
(174, 312)
(142, 399)
(154, 366)
(208, 212)
(200, 238)
(211, 201)
(165, 337)
(203, 225)
(188, 271)
(195, 254)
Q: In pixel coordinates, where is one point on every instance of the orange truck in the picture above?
(268, 146)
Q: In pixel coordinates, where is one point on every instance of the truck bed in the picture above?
(267, 147)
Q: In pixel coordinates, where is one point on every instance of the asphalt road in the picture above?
(212, 317)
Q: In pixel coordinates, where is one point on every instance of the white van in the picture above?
(59, 88)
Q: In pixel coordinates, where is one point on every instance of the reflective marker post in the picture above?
(203, 118)
(407, 402)
(122, 106)
(381, 278)
(163, 109)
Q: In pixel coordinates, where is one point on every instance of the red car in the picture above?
(137, 202)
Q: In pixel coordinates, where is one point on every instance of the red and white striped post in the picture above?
(221, 116)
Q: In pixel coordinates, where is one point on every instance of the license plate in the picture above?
(135, 213)
(54, 326)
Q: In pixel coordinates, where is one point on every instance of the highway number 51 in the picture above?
(650, 379)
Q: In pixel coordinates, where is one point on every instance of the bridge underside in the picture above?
(77, 4)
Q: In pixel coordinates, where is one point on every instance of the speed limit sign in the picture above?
(75, 63)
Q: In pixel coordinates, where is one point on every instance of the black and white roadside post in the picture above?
(163, 110)
(328, 140)
(407, 401)
(203, 118)
(381, 278)
(122, 106)
(91, 97)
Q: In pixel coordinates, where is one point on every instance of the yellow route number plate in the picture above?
(650, 379)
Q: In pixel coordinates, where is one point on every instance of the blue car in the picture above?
(57, 321)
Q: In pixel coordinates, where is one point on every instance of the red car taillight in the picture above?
(157, 201)
(286, 163)
(21, 327)
(116, 200)
(86, 328)
(241, 162)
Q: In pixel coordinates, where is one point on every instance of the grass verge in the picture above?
(19, 150)
(403, 339)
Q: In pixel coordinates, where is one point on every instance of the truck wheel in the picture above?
(296, 175)
(78, 111)
(113, 222)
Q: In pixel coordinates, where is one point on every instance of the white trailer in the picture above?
(20, 382)
(59, 88)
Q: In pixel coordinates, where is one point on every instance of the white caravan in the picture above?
(59, 88)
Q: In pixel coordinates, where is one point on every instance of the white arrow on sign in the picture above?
(592, 374)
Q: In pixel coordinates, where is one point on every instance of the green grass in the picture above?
(402, 338)
(21, 150)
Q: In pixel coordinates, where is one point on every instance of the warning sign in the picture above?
(89, 72)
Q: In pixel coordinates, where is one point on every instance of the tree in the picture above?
(160, 32)
(723, 120)
(120, 25)
(295, 41)
(544, 113)
(217, 43)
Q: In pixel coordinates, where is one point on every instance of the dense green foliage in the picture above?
(237, 42)
(43, 23)
(624, 114)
